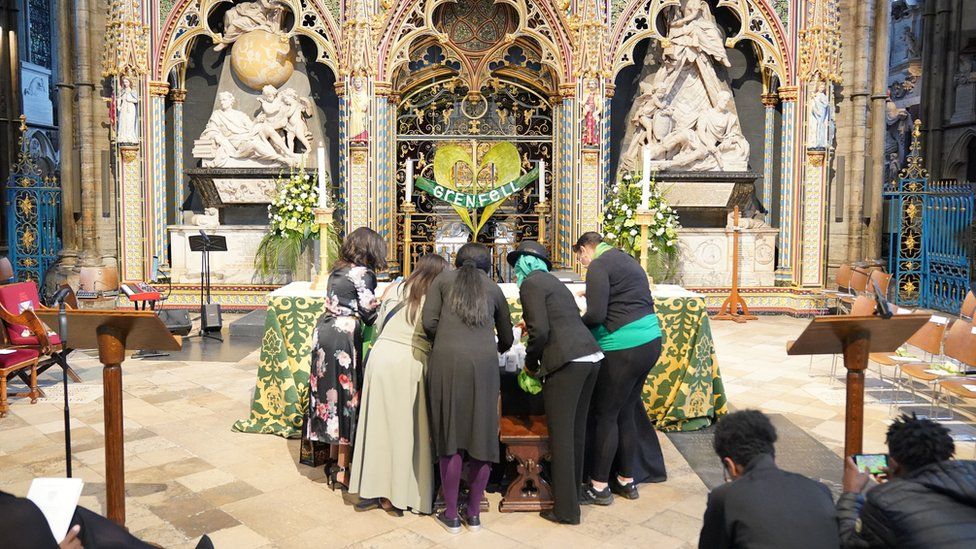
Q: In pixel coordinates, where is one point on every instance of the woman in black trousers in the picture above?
(563, 353)
(620, 313)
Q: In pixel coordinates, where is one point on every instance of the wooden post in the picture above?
(111, 353)
(730, 308)
(856, 351)
(324, 217)
(408, 210)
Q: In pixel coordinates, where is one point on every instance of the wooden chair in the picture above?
(960, 346)
(859, 282)
(953, 346)
(16, 361)
(881, 279)
(928, 339)
(968, 306)
(842, 278)
(861, 306)
(20, 297)
(6, 270)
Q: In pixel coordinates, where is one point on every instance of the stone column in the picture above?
(787, 212)
(564, 198)
(132, 211)
(769, 100)
(813, 231)
(385, 162)
(178, 96)
(156, 155)
(85, 86)
(10, 108)
(879, 93)
(592, 161)
(66, 136)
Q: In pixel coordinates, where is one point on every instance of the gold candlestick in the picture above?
(323, 216)
(644, 219)
(408, 210)
(540, 209)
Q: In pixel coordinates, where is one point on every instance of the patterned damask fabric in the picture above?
(683, 393)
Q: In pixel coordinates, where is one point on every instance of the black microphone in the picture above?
(205, 237)
(59, 296)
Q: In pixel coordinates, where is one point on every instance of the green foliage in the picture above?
(620, 226)
(292, 226)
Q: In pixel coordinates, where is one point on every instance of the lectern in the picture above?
(112, 333)
(856, 337)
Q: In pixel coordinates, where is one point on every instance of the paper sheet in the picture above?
(969, 387)
(7, 351)
(57, 498)
(897, 358)
(939, 320)
(936, 372)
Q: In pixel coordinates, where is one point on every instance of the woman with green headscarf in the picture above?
(563, 353)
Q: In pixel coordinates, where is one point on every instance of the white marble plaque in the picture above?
(246, 191)
(698, 195)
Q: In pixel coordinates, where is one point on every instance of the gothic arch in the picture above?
(414, 18)
(760, 25)
(957, 158)
(188, 21)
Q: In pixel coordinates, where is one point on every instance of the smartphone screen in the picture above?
(874, 463)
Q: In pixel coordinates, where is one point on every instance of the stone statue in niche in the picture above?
(126, 107)
(232, 139)
(911, 43)
(892, 168)
(591, 113)
(358, 111)
(285, 111)
(249, 16)
(898, 122)
(686, 114)
(819, 121)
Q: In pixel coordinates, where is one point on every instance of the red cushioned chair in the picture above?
(16, 299)
(16, 361)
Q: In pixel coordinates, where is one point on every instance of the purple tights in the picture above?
(478, 472)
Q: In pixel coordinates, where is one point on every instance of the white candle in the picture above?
(323, 186)
(542, 181)
(646, 177)
(409, 181)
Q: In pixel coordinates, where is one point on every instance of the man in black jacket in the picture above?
(763, 506)
(565, 355)
(930, 500)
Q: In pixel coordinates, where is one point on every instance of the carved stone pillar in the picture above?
(178, 96)
(813, 229)
(564, 199)
(769, 100)
(132, 241)
(358, 112)
(85, 86)
(66, 135)
(156, 149)
(788, 198)
(385, 166)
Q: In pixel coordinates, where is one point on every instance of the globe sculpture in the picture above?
(260, 58)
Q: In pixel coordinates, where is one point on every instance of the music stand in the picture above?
(205, 244)
(856, 337)
(112, 333)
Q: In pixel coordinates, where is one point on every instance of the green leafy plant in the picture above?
(292, 227)
(620, 226)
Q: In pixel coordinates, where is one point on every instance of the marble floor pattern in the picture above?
(187, 474)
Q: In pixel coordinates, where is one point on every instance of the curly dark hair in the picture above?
(915, 443)
(743, 436)
(363, 247)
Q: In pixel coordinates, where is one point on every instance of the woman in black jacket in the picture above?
(565, 355)
(463, 311)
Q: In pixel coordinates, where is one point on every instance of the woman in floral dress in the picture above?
(335, 379)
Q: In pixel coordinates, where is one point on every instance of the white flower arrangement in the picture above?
(620, 220)
(290, 213)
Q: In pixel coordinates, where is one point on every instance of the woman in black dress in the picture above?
(462, 313)
(335, 379)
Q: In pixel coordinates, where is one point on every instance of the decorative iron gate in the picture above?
(33, 206)
(928, 225)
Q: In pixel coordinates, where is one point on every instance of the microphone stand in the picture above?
(63, 328)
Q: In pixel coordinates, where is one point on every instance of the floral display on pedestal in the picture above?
(292, 227)
(620, 226)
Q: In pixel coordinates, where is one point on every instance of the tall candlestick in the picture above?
(542, 181)
(646, 177)
(408, 189)
(323, 186)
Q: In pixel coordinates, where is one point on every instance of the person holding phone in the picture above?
(760, 505)
(928, 499)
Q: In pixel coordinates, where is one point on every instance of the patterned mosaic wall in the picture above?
(385, 172)
(133, 233)
(157, 197)
(564, 208)
(785, 243)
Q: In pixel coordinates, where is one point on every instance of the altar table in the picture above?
(684, 392)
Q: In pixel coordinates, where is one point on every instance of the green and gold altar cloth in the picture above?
(683, 392)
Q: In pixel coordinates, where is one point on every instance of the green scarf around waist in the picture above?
(637, 333)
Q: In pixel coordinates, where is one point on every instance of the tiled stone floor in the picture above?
(187, 474)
